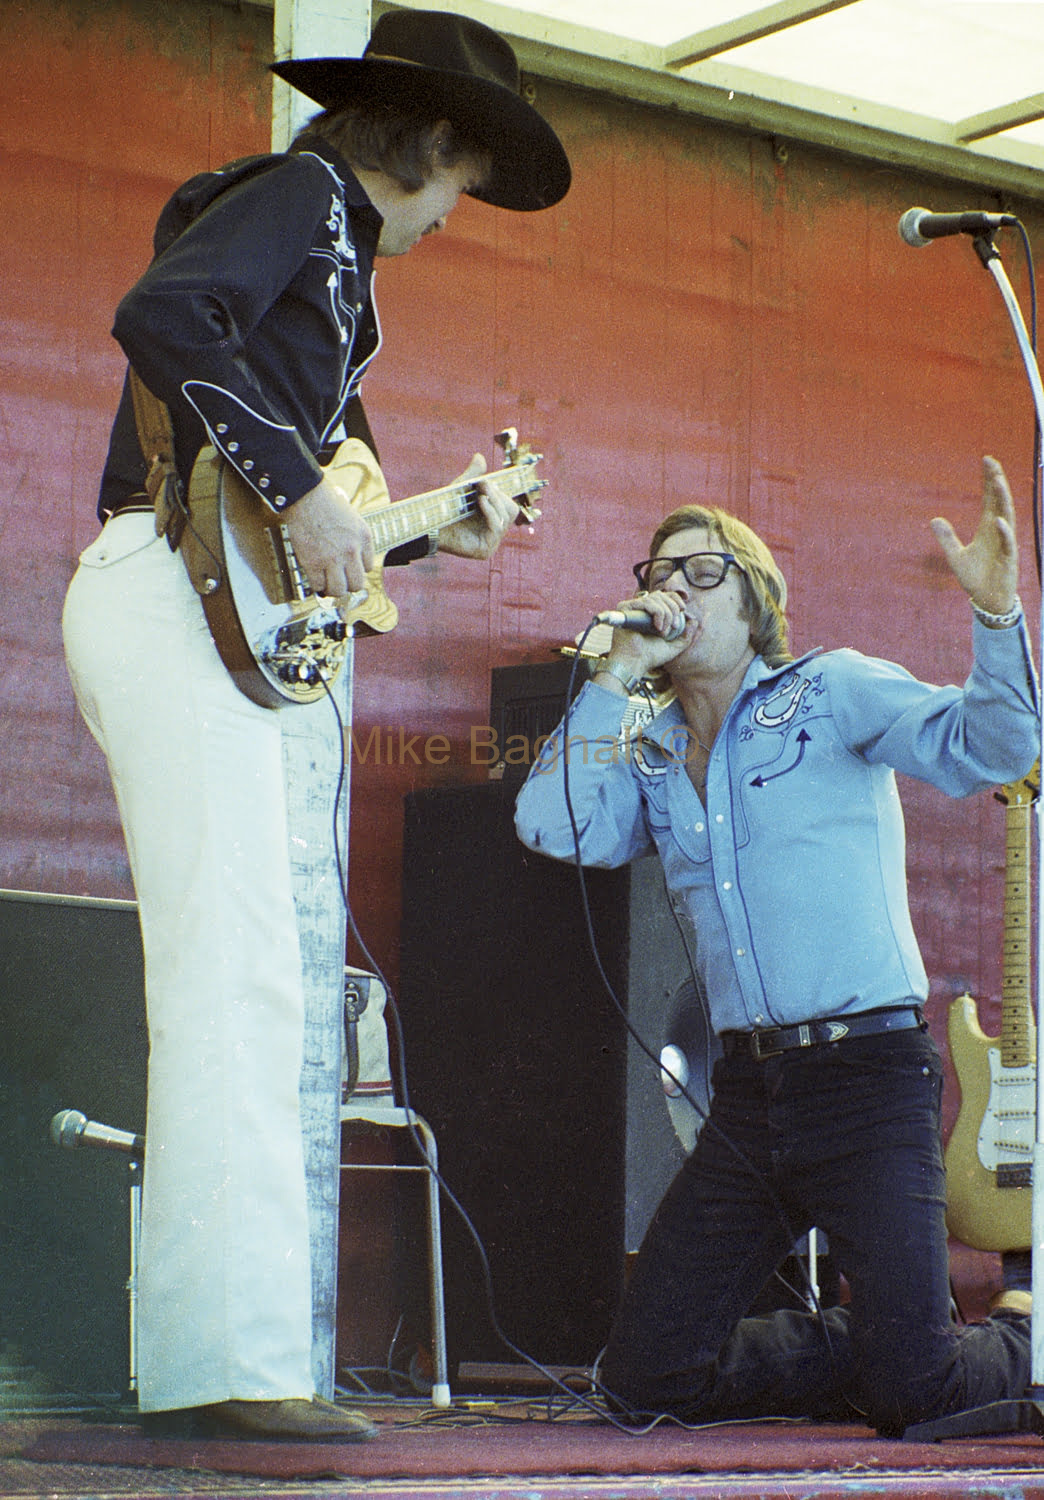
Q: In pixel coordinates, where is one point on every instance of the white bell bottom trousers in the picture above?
(224, 1283)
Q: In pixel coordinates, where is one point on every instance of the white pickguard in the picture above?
(1007, 1129)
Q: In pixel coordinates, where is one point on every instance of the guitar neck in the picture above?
(405, 520)
(1017, 1042)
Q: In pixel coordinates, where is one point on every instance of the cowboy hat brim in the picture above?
(530, 169)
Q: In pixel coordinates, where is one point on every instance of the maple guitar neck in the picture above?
(1017, 1040)
(406, 520)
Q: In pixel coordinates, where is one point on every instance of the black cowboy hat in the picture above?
(459, 70)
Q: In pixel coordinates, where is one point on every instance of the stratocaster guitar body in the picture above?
(990, 1150)
(989, 1153)
(281, 642)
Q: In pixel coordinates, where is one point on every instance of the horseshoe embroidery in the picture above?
(783, 704)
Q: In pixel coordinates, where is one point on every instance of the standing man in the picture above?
(768, 789)
(254, 325)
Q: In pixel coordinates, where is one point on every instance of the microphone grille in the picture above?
(909, 227)
(67, 1127)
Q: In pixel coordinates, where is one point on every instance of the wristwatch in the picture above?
(627, 683)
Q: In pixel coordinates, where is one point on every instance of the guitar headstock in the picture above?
(1017, 793)
(526, 484)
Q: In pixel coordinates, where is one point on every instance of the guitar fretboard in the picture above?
(1017, 1042)
(406, 520)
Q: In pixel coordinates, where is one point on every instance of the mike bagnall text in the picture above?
(385, 745)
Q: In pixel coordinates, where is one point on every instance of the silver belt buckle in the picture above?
(755, 1046)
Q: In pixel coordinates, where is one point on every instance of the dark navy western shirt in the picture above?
(254, 323)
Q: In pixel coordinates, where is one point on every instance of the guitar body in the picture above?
(260, 559)
(280, 642)
(994, 1129)
(276, 645)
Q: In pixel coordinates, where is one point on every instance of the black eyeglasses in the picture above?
(703, 570)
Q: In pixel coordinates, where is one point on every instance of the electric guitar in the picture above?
(989, 1154)
(281, 642)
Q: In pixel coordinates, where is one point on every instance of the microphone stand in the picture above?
(1026, 1413)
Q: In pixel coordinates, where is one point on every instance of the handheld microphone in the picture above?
(71, 1128)
(919, 227)
(638, 621)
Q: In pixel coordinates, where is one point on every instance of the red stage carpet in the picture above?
(451, 1446)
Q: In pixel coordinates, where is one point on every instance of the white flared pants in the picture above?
(224, 1281)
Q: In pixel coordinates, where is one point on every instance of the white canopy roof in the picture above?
(954, 87)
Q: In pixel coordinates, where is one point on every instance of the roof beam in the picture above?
(754, 102)
(749, 28)
(751, 101)
(1004, 117)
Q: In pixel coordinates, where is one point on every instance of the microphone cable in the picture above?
(1027, 250)
(557, 1383)
(754, 1172)
(986, 251)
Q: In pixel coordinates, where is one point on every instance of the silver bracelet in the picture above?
(997, 622)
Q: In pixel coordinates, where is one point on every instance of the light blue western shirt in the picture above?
(791, 878)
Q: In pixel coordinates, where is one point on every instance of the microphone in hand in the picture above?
(639, 621)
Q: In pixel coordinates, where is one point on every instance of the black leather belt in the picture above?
(772, 1039)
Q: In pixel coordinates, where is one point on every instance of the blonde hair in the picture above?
(764, 587)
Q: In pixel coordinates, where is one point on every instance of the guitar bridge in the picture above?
(1014, 1174)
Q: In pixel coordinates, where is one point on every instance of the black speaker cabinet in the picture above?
(551, 1123)
(72, 1018)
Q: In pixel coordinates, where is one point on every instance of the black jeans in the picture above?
(844, 1137)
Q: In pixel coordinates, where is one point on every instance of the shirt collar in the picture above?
(758, 672)
(355, 194)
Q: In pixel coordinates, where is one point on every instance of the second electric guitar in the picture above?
(989, 1155)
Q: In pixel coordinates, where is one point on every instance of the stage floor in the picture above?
(509, 1447)
(515, 1450)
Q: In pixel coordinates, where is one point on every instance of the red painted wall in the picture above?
(707, 315)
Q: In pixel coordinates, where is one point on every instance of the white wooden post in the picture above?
(312, 750)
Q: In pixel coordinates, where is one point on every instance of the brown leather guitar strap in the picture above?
(173, 519)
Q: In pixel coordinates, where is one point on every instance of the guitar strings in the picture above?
(399, 521)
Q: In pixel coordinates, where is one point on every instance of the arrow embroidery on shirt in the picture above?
(803, 739)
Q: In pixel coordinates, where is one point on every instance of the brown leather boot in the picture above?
(314, 1421)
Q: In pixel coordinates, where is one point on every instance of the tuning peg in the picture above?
(508, 440)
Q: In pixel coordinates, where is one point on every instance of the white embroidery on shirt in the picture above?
(781, 706)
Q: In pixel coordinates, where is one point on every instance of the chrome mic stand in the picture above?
(1026, 1413)
(72, 1129)
(134, 1173)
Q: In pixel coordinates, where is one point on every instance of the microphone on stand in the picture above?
(71, 1128)
(919, 227)
(638, 621)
